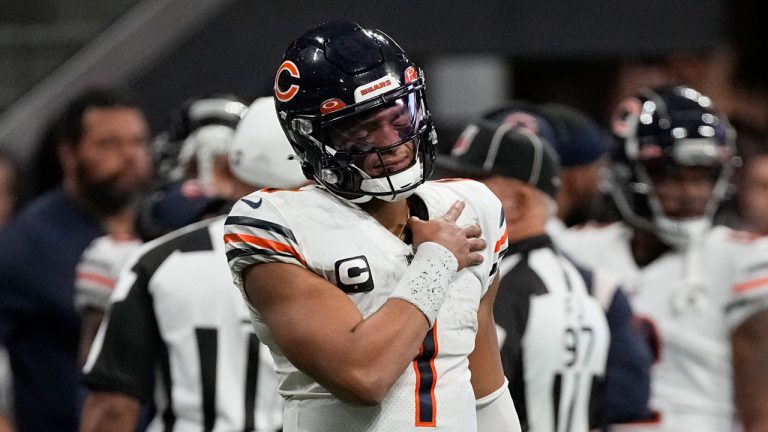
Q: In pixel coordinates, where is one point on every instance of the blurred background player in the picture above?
(703, 289)
(372, 289)
(748, 208)
(190, 160)
(176, 311)
(550, 356)
(101, 143)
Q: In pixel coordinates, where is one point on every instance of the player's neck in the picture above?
(120, 226)
(524, 228)
(528, 219)
(646, 247)
(392, 215)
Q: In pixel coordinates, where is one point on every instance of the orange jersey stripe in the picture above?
(415, 365)
(501, 241)
(265, 244)
(751, 284)
(95, 277)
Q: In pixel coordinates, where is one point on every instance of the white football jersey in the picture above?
(99, 267)
(177, 334)
(345, 245)
(693, 299)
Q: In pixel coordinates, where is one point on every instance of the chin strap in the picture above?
(391, 184)
(407, 179)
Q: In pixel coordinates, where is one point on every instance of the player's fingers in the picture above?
(477, 244)
(413, 220)
(474, 259)
(472, 231)
(454, 212)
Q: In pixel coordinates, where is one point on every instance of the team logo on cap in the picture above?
(410, 74)
(290, 68)
(522, 120)
(331, 105)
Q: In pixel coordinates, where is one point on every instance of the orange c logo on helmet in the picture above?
(288, 94)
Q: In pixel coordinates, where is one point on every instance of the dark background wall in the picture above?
(237, 51)
(578, 53)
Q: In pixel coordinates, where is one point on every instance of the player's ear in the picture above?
(516, 203)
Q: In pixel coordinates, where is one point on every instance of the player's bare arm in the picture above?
(321, 331)
(495, 408)
(750, 356)
(90, 326)
(109, 412)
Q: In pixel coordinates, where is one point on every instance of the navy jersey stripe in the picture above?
(261, 224)
(243, 251)
(425, 380)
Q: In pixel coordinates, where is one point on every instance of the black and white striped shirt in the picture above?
(554, 338)
(178, 334)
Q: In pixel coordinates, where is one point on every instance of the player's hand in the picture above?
(463, 242)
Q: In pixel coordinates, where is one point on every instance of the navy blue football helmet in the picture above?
(663, 128)
(333, 80)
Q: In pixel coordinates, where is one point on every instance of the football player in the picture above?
(191, 158)
(703, 289)
(373, 289)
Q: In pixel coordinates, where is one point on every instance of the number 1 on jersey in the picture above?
(426, 378)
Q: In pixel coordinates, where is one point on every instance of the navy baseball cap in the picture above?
(576, 138)
(487, 148)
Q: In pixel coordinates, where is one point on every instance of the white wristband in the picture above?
(426, 281)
